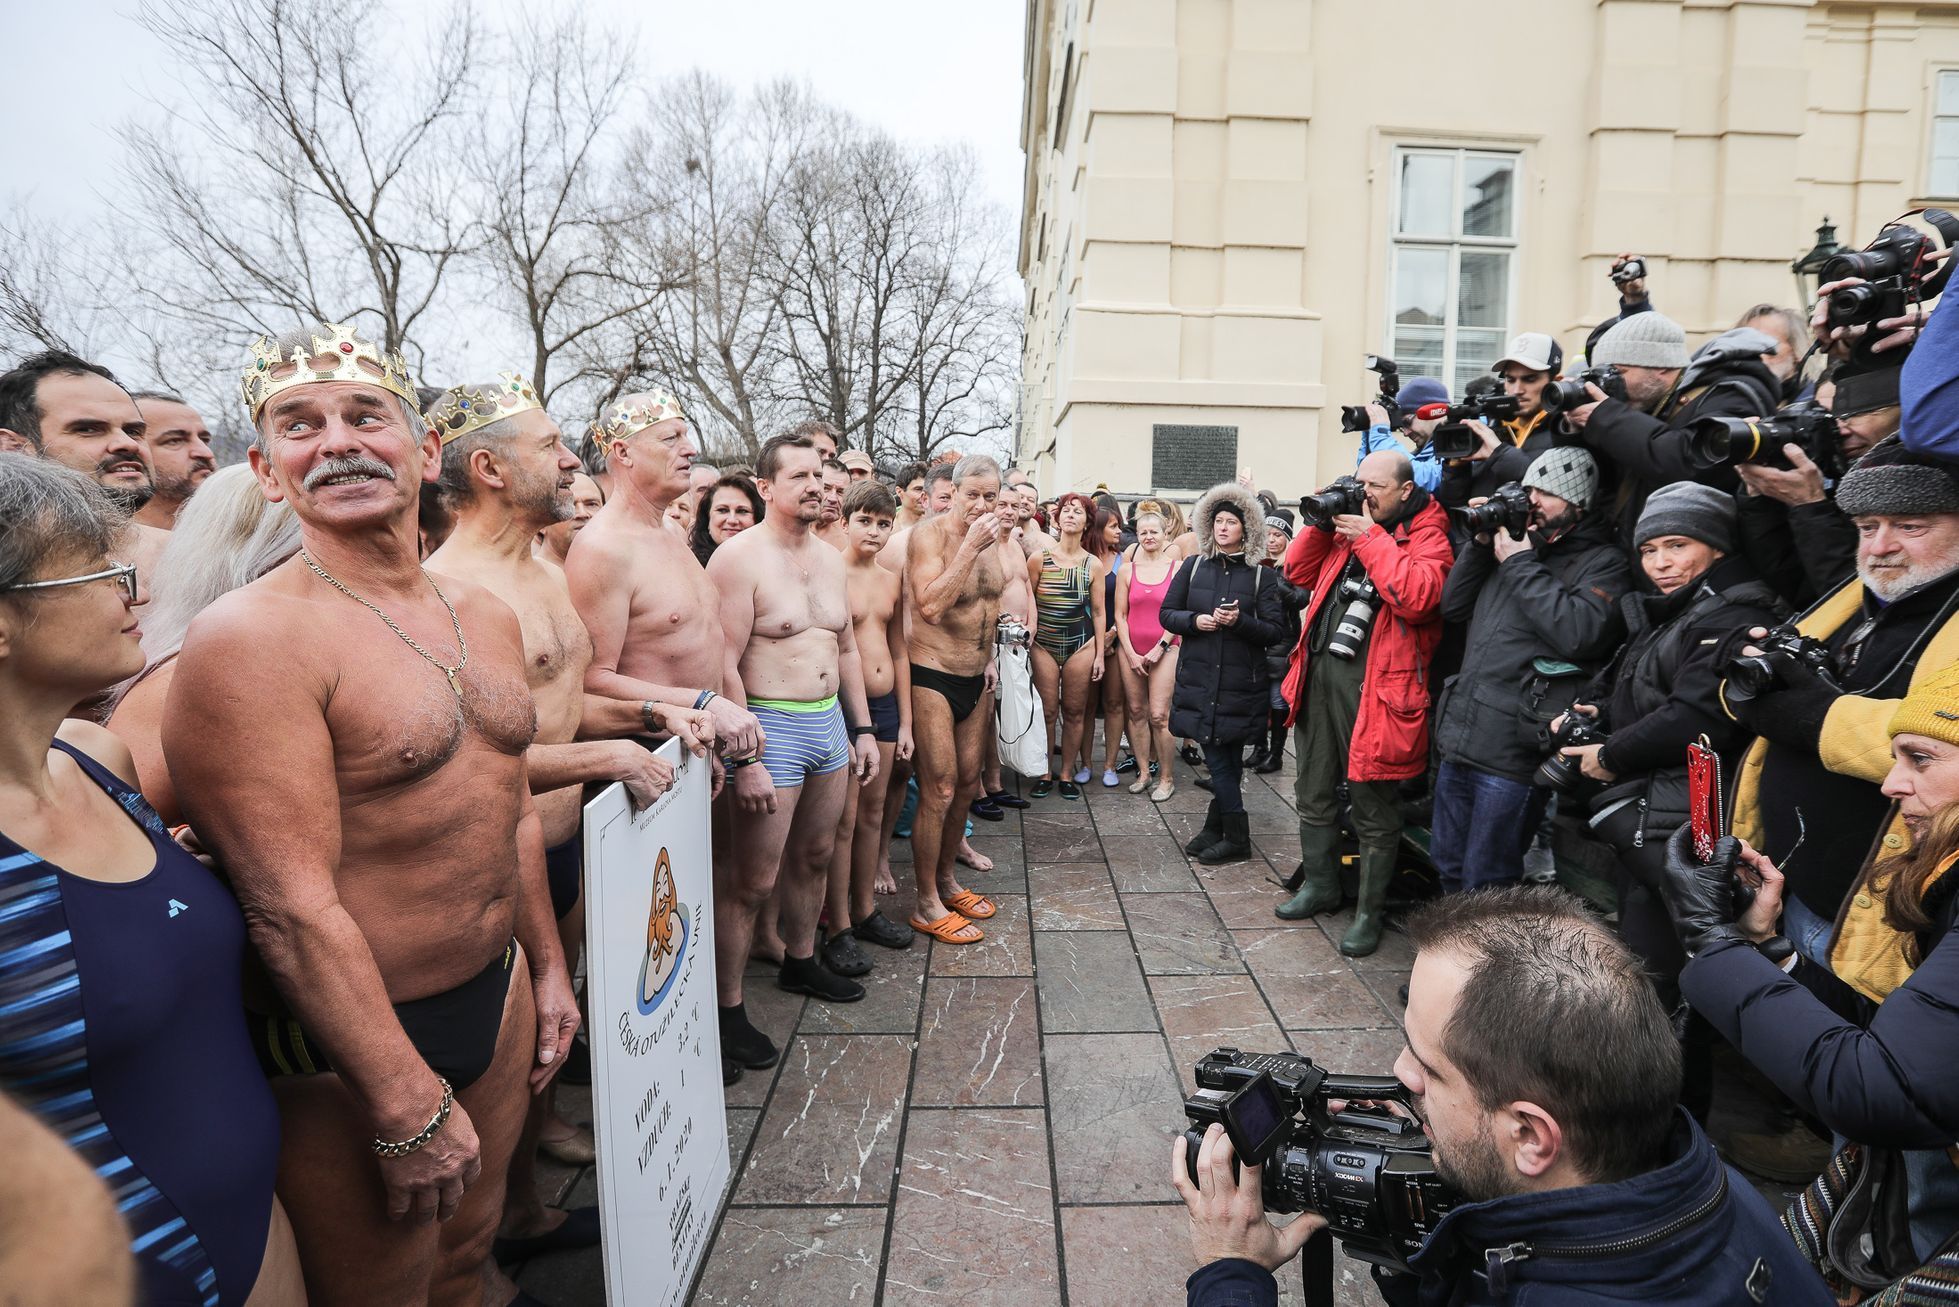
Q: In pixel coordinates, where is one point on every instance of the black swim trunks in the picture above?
(884, 716)
(454, 1031)
(961, 693)
(564, 871)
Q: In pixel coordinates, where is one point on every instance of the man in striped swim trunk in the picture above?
(785, 610)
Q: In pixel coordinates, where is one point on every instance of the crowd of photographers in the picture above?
(1697, 612)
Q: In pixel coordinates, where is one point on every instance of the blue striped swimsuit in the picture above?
(122, 1027)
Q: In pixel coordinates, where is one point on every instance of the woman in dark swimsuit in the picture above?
(121, 1017)
(1067, 655)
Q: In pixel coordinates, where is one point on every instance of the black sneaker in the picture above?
(987, 810)
(1044, 787)
(1070, 790)
(845, 956)
(743, 1043)
(808, 976)
(1008, 799)
(883, 931)
(730, 1071)
(1127, 765)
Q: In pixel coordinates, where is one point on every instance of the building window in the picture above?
(1452, 272)
(1945, 135)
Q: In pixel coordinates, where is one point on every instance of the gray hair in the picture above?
(455, 477)
(975, 465)
(48, 511)
(1794, 328)
(227, 535)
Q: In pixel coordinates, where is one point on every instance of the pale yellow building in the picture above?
(1229, 203)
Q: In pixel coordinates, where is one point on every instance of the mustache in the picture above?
(340, 467)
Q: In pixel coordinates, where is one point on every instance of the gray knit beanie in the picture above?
(1645, 340)
(1567, 472)
(1687, 508)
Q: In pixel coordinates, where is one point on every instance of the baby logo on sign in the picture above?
(667, 929)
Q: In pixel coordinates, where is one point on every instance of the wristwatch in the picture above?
(646, 715)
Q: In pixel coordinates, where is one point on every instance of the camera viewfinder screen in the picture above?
(1255, 1120)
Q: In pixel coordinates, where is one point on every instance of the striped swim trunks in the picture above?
(805, 739)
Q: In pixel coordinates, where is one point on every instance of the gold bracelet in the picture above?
(412, 1144)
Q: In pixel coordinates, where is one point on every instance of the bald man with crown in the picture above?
(656, 631)
(348, 734)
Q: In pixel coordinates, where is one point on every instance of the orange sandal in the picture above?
(975, 907)
(949, 929)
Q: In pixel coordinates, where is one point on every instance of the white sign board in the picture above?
(657, 1107)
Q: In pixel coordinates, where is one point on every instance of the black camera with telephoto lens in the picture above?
(1725, 442)
(1627, 270)
(1507, 509)
(1569, 392)
(1558, 772)
(1367, 1170)
(1353, 417)
(1751, 675)
(1344, 497)
(1454, 440)
(1896, 273)
(1350, 632)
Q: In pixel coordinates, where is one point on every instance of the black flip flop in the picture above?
(579, 1229)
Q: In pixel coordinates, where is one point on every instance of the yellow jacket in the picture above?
(1865, 953)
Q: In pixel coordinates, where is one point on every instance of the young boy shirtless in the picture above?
(868, 509)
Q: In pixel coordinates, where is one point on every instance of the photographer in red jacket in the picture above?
(1358, 680)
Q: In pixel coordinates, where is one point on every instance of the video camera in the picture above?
(1751, 675)
(1368, 1172)
(1570, 392)
(1507, 509)
(1896, 270)
(1353, 417)
(1724, 442)
(1453, 439)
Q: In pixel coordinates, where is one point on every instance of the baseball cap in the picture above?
(857, 460)
(1534, 350)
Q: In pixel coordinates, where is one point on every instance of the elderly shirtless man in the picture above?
(348, 736)
(653, 617)
(507, 470)
(792, 657)
(953, 582)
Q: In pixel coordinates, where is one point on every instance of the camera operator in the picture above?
(1413, 441)
(1790, 524)
(1362, 703)
(1645, 435)
(1874, 1068)
(1791, 336)
(1552, 595)
(1513, 994)
(1628, 277)
(1532, 361)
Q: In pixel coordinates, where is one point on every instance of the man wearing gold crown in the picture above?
(507, 470)
(349, 737)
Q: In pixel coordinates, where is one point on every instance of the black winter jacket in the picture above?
(1649, 451)
(1691, 1233)
(1662, 691)
(1804, 550)
(1559, 600)
(1278, 654)
(1223, 691)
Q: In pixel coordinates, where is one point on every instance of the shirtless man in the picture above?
(364, 787)
(180, 455)
(911, 496)
(792, 658)
(828, 439)
(58, 406)
(830, 530)
(554, 542)
(862, 832)
(953, 583)
(507, 469)
(653, 616)
(1027, 531)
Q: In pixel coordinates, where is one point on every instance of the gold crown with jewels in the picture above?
(337, 355)
(463, 409)
(631, 414)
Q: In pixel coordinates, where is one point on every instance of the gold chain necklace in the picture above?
(406, 638)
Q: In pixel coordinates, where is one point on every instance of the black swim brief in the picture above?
(454, 1031)
(564, 871)
(884, 716)
(961, 693)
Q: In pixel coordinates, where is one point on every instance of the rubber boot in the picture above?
(1213, 829)
(1235, 844)
(1370, 906)
(1319, 873)
(1275, 756)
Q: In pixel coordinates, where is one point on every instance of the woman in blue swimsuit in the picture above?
(121, 1017)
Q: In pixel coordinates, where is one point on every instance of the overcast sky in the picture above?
(929, 72)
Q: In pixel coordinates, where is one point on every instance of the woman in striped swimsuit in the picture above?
(1148, 654)
(1067, 584)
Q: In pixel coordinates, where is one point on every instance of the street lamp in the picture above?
(1809, 267)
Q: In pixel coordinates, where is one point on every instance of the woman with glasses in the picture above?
(121, 1016)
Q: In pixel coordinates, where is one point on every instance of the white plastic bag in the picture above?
(1023, 726)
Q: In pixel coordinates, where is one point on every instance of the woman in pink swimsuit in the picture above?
(1149, 653)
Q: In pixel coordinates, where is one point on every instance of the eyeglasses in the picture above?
(123, 574)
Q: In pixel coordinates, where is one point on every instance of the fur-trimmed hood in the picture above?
(1249, 510)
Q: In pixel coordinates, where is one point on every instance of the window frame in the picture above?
(1932, 120)
(1453, 243)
